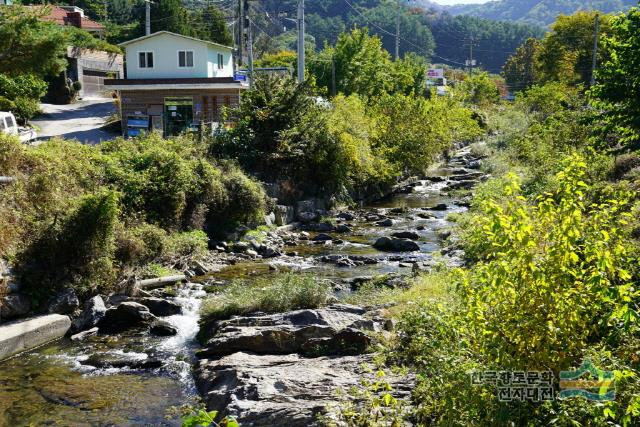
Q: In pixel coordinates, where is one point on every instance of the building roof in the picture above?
(173, 83)
(157, 33)
(74, 18)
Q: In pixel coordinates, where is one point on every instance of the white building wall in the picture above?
(227, 70)
(165, 49)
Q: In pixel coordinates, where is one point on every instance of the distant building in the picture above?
(72, 16)
(175, 83)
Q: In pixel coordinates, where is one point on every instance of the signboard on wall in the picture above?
(435, 73)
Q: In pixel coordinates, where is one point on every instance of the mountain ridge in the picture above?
(536, 12)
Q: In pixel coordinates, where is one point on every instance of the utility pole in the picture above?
(240, 31)
(147, 21)
(594, 63)
(301, 30)
(250, 52)
(397, 30)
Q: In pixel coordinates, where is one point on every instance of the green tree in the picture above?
(566, 52)
(28, 45)
(480, 89)
(520, 72)
(283, 58)
(361, 64)
(618, 88)
(170, 15)
(211, 25)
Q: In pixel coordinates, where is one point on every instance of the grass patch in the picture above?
(284, 292)
(432, 287)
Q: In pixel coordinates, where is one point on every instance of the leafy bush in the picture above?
(563, 249)
(164, 191)
(413, 131)
(21, 94)
(76, 250)
(479, 89)
(284, 292)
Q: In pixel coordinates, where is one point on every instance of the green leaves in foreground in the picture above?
(203, 418)
(555, 275)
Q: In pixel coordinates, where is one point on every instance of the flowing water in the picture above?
(59, 385)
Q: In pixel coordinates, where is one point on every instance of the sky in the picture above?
(450, 2)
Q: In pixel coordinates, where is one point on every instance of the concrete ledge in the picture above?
(24, 335)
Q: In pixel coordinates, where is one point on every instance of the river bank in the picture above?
(341, 250)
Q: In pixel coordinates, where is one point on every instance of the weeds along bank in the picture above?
(551, 278)
(85, 217)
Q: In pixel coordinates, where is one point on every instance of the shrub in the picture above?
(553, 275)
(21, 95)
(243, 201)
(164, 191)
(284, 292)
(73, 251)
(185, 244)
(414, 131)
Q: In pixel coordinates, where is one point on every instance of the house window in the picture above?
(220, 61)
(185, 58)
(145, 59)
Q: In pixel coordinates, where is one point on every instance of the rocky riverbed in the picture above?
(132, 357)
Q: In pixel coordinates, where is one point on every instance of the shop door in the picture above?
(178, 115)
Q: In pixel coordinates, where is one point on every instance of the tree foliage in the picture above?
(565, 54)
(28, 45)
(616, 92)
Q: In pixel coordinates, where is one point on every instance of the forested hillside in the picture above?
(424, 30)
(538, 12)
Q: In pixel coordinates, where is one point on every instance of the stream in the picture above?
(75, 384)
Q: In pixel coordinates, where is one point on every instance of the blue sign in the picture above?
(240, 77)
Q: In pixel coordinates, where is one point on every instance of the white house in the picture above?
(165, 55)
(174, 82)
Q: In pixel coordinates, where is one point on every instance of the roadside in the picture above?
(83, 120)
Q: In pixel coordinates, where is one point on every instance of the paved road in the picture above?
(81, 120)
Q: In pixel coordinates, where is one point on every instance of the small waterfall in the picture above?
(179, 349)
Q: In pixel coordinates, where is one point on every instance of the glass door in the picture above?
(178, 115)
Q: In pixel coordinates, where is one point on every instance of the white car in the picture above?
(9, 126)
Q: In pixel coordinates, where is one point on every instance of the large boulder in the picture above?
(161, 307)
(411, 235)
(162, 328)
(322, 237)
(122, 360)
(284, 390)
(126, 315)
(64, 302)
(285, 333)
(439, 207)
(388, 222)
(14, 305)
(94, 311)
(393, 244)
